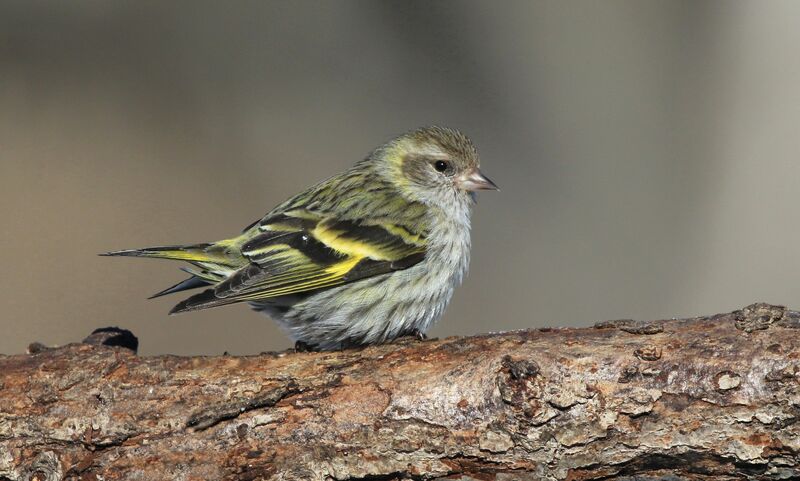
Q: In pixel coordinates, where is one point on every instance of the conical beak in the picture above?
(475, 180)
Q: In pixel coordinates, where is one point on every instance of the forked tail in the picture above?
(211, 263)
(188, 253)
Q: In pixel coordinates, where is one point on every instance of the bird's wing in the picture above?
(298, 251)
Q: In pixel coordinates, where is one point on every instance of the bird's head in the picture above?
(434, 165)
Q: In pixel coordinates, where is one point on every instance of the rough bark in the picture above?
(712, 398)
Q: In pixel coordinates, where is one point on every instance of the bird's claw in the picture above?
(300, 346)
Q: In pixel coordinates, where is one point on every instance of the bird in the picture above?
(369, 255)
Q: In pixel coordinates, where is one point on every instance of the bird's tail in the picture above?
(189, 253)
(213, 262)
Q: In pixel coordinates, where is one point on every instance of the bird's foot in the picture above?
(301, 346)
(412, 336)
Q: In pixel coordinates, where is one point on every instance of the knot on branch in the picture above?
(758, 316)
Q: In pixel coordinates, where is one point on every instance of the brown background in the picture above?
(648, 152)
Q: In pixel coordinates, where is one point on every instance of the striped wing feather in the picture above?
(297, 252)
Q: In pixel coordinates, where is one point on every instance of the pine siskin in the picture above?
(367, 256)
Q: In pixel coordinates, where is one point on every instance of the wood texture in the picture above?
(711, 398)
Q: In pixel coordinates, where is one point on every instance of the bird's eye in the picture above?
(440, 165)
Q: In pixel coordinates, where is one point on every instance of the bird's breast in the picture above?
(448, 252)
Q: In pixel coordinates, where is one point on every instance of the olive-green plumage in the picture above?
(366, 256)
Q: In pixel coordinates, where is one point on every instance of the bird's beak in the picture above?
(475, 180)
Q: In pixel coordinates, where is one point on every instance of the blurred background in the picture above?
(648, 152)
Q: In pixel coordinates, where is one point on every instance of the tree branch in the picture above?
(712, 398)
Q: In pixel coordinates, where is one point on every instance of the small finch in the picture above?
(367, 256)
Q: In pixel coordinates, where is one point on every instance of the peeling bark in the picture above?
(711, 398)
